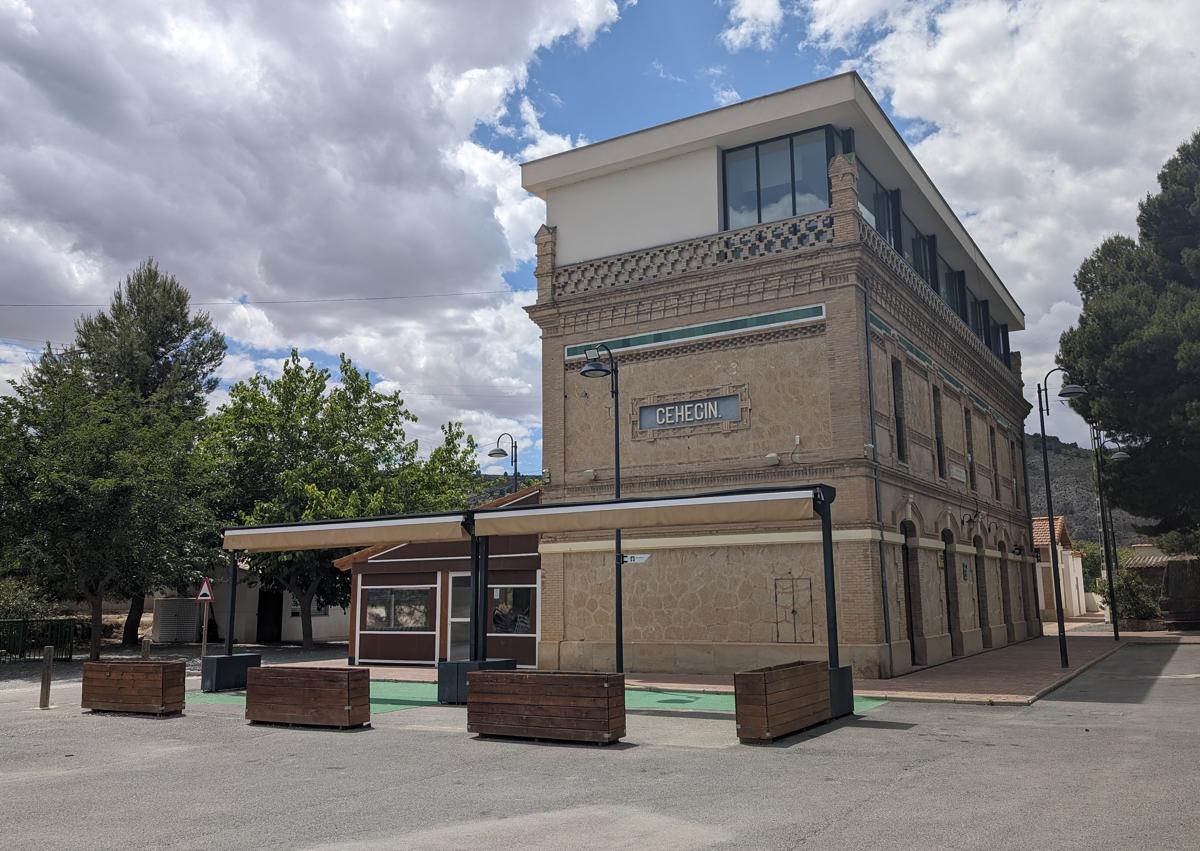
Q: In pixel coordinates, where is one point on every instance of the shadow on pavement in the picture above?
(1125, 677)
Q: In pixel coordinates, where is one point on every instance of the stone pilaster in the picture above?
(544, 270)
(843, 185)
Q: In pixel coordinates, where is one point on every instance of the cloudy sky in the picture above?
(274, 156)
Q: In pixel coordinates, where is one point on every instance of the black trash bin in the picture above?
(452, 677)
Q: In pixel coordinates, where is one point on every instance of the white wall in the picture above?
(641, 207)
(334, 626)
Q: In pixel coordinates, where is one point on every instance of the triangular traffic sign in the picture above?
(205, 594)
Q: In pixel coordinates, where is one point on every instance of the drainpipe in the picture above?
(883, 589)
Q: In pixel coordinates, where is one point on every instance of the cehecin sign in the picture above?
(695, 412)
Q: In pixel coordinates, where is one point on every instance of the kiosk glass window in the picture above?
(399, 610)
(511, 611)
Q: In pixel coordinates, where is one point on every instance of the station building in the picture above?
(790, 300)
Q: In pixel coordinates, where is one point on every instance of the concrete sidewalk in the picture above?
(1015, 675)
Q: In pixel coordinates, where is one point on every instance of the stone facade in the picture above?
(919, 551)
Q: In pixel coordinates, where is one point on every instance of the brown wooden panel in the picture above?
(523, 648)
(397, 646)
(782, 699)
(546, 705)
(134, 686)
(394, 575)
(328, 697)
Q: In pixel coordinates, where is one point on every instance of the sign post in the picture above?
(204, 596)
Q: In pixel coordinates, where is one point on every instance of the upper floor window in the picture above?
(778, 179)
(874, 201)
(898, 410)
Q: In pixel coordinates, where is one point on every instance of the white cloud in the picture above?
(1042, 138)
(723, 93)
(303, 152)
(752, 23)
(657, 69)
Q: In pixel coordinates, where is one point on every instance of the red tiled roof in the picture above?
(1041, 532)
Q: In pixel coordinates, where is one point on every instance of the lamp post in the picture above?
(601, 364)
(1068, 391)
(1106, 530)
(499, 452)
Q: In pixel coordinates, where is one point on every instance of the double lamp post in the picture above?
(1071, 390)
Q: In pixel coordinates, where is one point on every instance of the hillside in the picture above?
(1071, 476)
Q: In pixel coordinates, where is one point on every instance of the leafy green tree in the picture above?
(100, 491)
(1135, 598)
(300, 447)
(1137, 349)
(151, 344)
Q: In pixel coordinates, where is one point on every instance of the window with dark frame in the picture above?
(898, 410)
(995, 463)
(1016, 488)
(970, 448)
(318, 611)
(776, 179)
(939, 439)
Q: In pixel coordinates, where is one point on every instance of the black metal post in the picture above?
(1098, 448)
(821, 501)
(484, 551)
(233, 580)
(1058, 604)
(515, 474)
(474, 613)
(619, 562)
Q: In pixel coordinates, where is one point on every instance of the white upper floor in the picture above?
(762, 160)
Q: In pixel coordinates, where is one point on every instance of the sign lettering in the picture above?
(695, 412)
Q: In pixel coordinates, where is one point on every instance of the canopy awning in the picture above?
(337, 534)
(706, 510)
(714, 509)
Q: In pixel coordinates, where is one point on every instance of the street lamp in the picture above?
(499, 452)
(1110, 539)
(601, 364)
(1068, 391)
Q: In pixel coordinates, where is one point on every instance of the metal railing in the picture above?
(24, 638)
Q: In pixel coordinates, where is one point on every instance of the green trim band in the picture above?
(812, 313)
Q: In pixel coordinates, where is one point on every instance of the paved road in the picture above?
(1108, 761)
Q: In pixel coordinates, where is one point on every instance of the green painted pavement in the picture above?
(394, 696)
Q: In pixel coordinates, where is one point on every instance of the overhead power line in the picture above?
(279, 300)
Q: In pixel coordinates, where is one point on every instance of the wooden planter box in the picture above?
(318, 697)
(775, 701)
(153, 688)
(560, 705)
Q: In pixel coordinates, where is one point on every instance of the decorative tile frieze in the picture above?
(731, 248)
(712, 345)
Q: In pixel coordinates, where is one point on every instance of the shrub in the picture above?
(1135, 599)
(20, 598)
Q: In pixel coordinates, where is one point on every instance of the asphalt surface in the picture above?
(1110, 760)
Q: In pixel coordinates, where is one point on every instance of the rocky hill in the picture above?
(1071, 477)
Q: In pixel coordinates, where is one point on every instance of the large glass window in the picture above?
(399, 609)
(741, 188)
(774, 180)
(811, 168)
(511, 611)
(915, 247)
(874, 202)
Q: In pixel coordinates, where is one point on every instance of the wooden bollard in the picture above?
(47, 672)
(146, 644)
